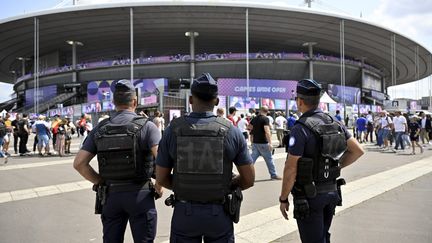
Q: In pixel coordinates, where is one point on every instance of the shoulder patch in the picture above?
(291, 141)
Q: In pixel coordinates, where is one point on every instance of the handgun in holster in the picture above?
(232, 204)
(153, 190)
(101, 196)
(340, 182)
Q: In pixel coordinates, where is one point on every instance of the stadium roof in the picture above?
(159, 29)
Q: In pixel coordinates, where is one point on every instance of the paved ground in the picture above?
(45, 200)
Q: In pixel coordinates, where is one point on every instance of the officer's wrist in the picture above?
(281, 200)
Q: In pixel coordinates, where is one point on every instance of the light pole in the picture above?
(74, 44)
(23, 62)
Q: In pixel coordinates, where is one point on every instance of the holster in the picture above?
(101, 196)
(232, 204)
(301, 208)
(340, 182)
(153, 190)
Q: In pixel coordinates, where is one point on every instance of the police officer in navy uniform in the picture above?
(195, 160)
(319, 146)
(126, 145)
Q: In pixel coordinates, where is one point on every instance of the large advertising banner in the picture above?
(371, 82)
(263, 88)
(148, 91)
(44, 93)
(351, 94)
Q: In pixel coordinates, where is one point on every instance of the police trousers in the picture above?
(193, 222)
(137, 207)
(315, 228)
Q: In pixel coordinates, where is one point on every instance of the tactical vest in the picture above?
(202, 173)
(331, 143)
(119, 154)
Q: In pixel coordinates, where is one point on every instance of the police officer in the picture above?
(319, 146)
(126, 145)
(200, 149)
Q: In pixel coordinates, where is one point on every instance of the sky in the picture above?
(408, 17)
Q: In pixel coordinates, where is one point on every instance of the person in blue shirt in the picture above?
(195, 160)
(310, 176)
(291, 121)
(361, 128)
(338, 116)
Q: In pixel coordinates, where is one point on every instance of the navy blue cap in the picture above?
(205, 87)
(124, 86)
(308, 87)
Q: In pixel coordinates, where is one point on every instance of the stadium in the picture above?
(67, 60)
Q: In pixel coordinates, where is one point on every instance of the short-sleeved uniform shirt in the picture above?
(149, 137)
(235, 147)
(258, 131)
(303, 142)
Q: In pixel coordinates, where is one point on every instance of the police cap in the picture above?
(205, 87)
(124, 86)
(308, 87)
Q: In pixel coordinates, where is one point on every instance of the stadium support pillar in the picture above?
(310, 51)
(342, 59)
(247, 52)
(192, 35)
(36, 67)
(74, 45)
(131, 45)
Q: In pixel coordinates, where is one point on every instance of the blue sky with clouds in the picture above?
(411, 18)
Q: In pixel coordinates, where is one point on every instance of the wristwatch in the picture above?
(283, 201)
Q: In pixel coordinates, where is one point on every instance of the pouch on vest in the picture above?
(331, 143)
(201, 172)
(117, 151)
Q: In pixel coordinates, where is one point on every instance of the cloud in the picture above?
(413, 20)
(5, 91)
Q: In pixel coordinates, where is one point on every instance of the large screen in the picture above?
(371, 82)
(243, 102)
(344, 94)
(44, 93)
(292, 105)
(270, 103)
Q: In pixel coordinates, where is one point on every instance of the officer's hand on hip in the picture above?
(284, 208)
(158, 189)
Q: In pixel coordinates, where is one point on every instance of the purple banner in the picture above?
(275, 89)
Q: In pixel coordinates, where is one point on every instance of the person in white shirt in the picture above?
(400, 127)
(242, 126)
(425, 126)
(386, 126)
(271, 121)
(370, 127)
(280, 123)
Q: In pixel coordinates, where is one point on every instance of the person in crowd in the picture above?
(14, 124)
(242, 125)
(3, 132)
(197, 165)
(54, 129)
(405, 137)
(338, 116)
(361, 128)
(291, 121)
(33, 131)
(280, 123)
(414, 131)
(231, 116)
(23, 133)
(162, 122)
(386, 127)
(8, 136)
(261, 140)
(158, 121)
(400, 128)
(378, 130)
(69, 132)
(425, 127)
(271, 121)
(354, 125)
(42, 132)
(220, 112)
(86, 128)
(314, 191)
(129, 196)
(62, 130)
(370, 127)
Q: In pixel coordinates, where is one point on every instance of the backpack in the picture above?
(3, 130)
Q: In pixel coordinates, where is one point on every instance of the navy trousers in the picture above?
(315, 228)
(137, 207)
(194, 222)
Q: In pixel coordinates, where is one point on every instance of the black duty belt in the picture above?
(199, 202)
(321, 188)
(127, 187)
